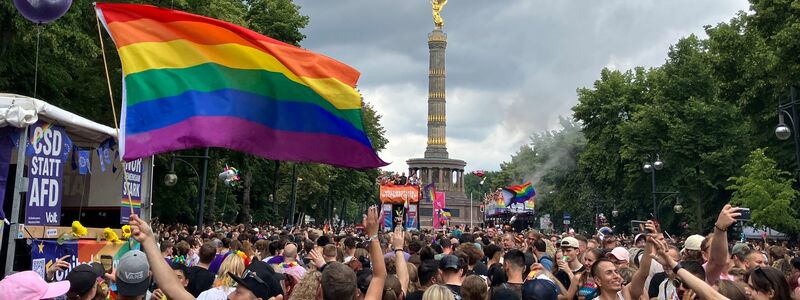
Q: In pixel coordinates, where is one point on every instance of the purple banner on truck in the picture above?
(48, 147)
(131, 201)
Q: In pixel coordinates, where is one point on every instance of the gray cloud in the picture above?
(512, 66)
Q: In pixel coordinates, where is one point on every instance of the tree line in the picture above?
(708, 113)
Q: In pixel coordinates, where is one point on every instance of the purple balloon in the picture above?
(42, 11)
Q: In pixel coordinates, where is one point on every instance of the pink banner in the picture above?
(438, 205)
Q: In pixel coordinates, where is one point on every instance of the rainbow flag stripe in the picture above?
(135, 203)
(522, 192)
(191, 81)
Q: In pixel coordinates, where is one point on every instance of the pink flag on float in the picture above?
(438, 205)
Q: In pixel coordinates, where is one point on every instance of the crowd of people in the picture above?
(246, 262)
(388, 178)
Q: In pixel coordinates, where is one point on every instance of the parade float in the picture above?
(71, 177)
(513, 205)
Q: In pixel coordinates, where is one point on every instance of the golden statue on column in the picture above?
(437, 7)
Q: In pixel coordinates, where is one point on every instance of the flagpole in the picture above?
(470, 209)
(114, 111)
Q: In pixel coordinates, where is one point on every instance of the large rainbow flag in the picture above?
(192, 81)
(518, 193)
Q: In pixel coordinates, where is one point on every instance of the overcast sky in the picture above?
(512, 65)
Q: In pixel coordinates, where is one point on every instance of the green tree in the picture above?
(698, 135)
(768, 192)
(278, 19)
(603, 111)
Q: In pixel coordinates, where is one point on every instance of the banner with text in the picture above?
(386, 212)
(132, 187)
(45, 252)
(412, 221)
(48, 149)
(399, 194)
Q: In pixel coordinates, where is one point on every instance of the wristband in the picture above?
(677, 267)
(372, 238)
(720, 228)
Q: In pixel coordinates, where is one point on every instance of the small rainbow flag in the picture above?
(446, 214)
(521, 193)
(124, 202)
(430, 191)
(192, 81)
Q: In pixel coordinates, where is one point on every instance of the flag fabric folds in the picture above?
(446, 214)
(430, 191)
(519, 193)
(439, 203)
(84, 161)
(190, 81)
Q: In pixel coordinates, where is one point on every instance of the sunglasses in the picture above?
(678, 283)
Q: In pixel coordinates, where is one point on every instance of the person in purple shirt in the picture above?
(223, 250)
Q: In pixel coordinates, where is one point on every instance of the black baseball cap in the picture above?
(83, 277)
(449, 262)
(260, 279)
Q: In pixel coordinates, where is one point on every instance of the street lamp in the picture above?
(783, 132)
(171, 179)
(615, 212)
(652, 167)
(678, 208)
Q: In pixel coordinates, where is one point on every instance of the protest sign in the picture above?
(132, 187)
(45, 252)
(48, 149)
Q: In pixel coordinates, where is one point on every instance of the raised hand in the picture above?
(660, 254)
(727, 217)
(371, 221)
(60, 265)
(319, 261)
(562, 265)
(140, 230)
(397, 238)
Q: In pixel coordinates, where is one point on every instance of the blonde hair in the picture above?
(437, 292)
(307, 288)
(233, 264)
